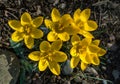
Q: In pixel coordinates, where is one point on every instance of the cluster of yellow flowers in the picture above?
(86, 50)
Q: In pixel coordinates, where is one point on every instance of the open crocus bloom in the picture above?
(81, 19)
(86, 51)
(49, 56)
(60, 26)
(26, 29)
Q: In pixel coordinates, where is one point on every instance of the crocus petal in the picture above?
(56, 45)
(64, 36)
(86, 34)
(52, 36)
(54, 67)
(95, 60)
(85, 14)
(36, 33)
(101, 52)
(88, 58)
(84, 57)
(75, 39)
(72, 29)
(45, 46)
(37, 21)
(74, 62)
(55, 15)
(76, 15)
(29, 41)
(48, 23)
(66, 20)
(59, 56)
(86, 41)
(26, 19)
(90, 25)
(16, 25)
(93, 49)
(73, 51)
(35, 56)
(96, 42)
(17, 36)
(83, 66)
(42, 65)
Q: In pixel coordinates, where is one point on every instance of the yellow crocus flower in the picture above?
(81, 19)
(86, 51)
(60, 26)
(26, 29)
(49, 56)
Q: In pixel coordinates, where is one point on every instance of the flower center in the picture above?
(59, 28)
(47, 55)
(79, 49)
(80, 24)
(27, 30)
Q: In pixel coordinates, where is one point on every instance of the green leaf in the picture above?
(14, 44)
(22, 76)
(18, 48)
(28, 67)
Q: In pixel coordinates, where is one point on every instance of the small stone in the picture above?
(56, 2)
(9, 67)
(66, 69)
(92, 70)
(109, 45)
(104, 68)
(38, 10)
(62, 6)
